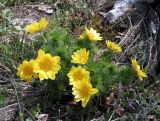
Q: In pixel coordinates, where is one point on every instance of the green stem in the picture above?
(43, 37)
(21, 44)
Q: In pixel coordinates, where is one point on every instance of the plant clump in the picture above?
(75, 64)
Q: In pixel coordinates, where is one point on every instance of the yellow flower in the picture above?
(80, 56)
(136, 68)
(46, 65)
(26, 70)
(91, 35)
(32, 28)
(141, 74)
(36, 27)
(135, 65)
(78, 74)
(113, 46)
(82, 91)
(43, 23)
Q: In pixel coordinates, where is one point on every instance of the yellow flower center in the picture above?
(45, 64)
(85, 91)
(28, 70)
(81, 58)
(90, 35)
(78, 75)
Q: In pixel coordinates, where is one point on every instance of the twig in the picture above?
(111, 116)
(130, 32)
(119, 119)
(128, 48)
(16, 95)
(30, 114)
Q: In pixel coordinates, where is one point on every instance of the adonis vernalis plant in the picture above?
(77, 64)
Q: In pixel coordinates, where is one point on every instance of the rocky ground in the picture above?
(137, 33)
